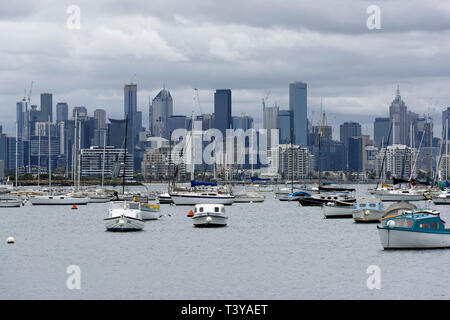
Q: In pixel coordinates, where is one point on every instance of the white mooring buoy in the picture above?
(10, 240)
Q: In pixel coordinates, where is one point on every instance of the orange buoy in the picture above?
(74, 207)
(190, 214)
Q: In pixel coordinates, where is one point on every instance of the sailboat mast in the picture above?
(39, 155)
(446, 150)
(17, 142)
(322, 133)
(103, 161)
(125, 156)
(292, 157)
(49, 155)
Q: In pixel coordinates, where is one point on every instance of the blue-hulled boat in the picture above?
(417, 229)
(294, 196)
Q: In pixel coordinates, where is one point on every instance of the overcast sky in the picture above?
(249, 46)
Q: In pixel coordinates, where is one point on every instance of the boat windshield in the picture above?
(133, 205)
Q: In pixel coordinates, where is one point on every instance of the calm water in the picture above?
(270, 250)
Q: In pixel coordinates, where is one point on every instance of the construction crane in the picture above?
(197, 98)
(29, 94)
(264, 100)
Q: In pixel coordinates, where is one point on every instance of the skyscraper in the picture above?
(100, 119)
(20, 112)
(243, 121)
(46, 107)
(222, 110)
(381, 128)
(62, 112)
(347, 130)
(357, 154)
(284, 125)
(130, 105)
(399, 120)
(161, 110)
(298, 106)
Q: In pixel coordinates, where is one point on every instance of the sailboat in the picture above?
(55, 198)
(124, 215)
(199, 192)
(333, 197)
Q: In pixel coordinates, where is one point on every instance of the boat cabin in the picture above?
(422, 221)
(371, 204)
(209, 208)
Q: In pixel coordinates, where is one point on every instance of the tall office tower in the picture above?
(162, 109)
(80, 112)
(130, 108)
(357, 154)
(445, 117)
(399, 119)
(46, 107)
(178, 122)
(116, 134)
(100, 118)
(62, 112)
(348, 130)
(207, 120)
(222, 110)
(270, 115)
(139, 127)
(243, 121)
(20, 118)
(381, 128)
(34, 116)
(298, 105)
(423, 135)
(285, 122)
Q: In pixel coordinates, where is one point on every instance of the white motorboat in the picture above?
(209, 215)
(442, 198)
(391, 194)
(150, 211)
(211, 195)
(249, 197)
(126, 216)
(99, 198)
(57, 200)
(416, 229)
(368, 210)
(164, 198)
(10, 203)
(338, 209)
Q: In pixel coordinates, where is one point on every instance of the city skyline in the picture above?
(251, 51)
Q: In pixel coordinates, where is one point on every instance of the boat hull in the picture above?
(330, 212)
(10, 203)
(189, 200)
(441, 200)
(367, 215)
(129, 224)
(58, 201)
(245, 199)
(209, 221)
(150, 212)
(99, 200)
(407, 239)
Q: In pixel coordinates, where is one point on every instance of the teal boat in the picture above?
(417, 229)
